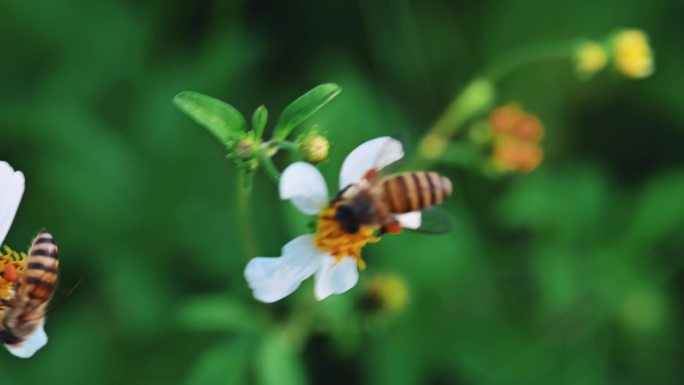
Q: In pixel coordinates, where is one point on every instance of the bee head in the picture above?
(347, 219)
(352, 215)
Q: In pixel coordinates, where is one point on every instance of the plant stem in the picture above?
(527, 56)
(478, 97)
(269, 167)
(287, 145)
(244, 217)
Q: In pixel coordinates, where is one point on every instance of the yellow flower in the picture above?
(632, 53)
(590, 58)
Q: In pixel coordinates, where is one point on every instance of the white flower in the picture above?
(330, 255)
(11, 191)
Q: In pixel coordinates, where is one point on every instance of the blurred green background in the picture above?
(572, 274)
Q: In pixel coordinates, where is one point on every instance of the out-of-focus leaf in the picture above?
(571, 200)
(303, 107)
(217, 313)
(278, 362)
(660, 211)
(220, 118)
(223, 364)
(259, 119)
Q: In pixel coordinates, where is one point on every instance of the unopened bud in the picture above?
(245, 148)
(314, 147)
(590, 58)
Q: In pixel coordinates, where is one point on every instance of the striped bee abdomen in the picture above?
(413, 191)
(40, 275)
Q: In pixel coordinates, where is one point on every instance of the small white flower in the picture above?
(331, 257)
(11, 192)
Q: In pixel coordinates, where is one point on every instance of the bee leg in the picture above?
(391, 228)
(371, 175)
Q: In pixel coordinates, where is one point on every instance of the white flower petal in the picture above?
(11, 191)
(410, 220)
(335, 278)
(304, 185)
(31, 344)
(272, 279)
(376, 153)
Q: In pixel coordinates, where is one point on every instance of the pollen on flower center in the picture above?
(331, 238)
(18, 262)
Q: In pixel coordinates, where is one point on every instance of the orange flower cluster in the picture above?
(516, 139)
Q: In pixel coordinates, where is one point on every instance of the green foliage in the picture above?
(658, 215)
(278, 362)
(217, 313)
(567, 275)
(245, 148)
(220, 118)
(303, 107)
(223, 364)
(259, 119)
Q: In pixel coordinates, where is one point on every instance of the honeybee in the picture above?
(23, 314)
(376, 199)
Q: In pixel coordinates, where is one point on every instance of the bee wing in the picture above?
(11, 191)
(374, 154)
(434, 221)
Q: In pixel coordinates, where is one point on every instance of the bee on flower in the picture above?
(367, 206)
(26, 281)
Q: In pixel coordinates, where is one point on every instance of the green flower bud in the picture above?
(245, 148)
(314, 147)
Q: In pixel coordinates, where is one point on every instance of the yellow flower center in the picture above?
(10, 257)
(332, 239)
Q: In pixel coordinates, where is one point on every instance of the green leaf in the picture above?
(220, 118)
(217, 313)
(224, 364)
(659, 213)
(259, 119)
(278, 362)
(302, 108)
